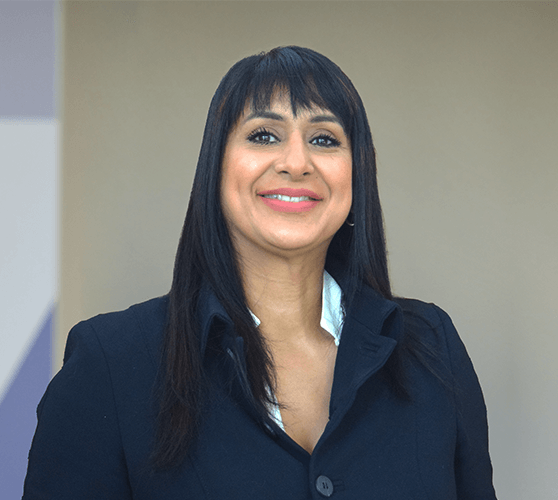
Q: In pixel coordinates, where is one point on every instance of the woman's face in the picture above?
(286, 180)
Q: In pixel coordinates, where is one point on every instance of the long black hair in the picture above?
(205, 252)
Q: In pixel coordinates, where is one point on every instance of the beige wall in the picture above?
(463, 103)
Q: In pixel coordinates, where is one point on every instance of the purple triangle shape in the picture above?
(18, 417)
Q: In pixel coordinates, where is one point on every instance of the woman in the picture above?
(279, 365)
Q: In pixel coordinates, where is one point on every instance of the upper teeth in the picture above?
(284, 197)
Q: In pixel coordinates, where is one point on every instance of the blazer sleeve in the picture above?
(473, 469)
(77, 448)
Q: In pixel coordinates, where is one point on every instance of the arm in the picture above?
(473, 470)
(77, 449)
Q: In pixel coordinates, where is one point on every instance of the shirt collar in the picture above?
(332, 308)
(368, 307)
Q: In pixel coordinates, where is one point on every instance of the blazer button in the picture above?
(324, 486)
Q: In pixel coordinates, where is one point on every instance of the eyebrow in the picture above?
(325, 118)
(264, 114)
(275, 116)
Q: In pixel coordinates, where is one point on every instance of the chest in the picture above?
(303, 391)
(378, 447)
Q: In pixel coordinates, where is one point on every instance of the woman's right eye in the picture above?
(262, 136)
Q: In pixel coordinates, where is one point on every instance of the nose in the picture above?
(295, 159)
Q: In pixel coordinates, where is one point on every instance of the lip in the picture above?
(292, 192)
(289, 206)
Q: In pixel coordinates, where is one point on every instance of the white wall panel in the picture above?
(28, 221)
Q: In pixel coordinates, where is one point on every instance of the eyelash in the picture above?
(256, 136)
(333, 142)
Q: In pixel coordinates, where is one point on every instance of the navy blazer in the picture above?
(96, 419)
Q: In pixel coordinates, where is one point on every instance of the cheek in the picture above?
(230, 206)
(231, 175)
(228, 187)
(237, 175)
(344, 182)
(239, 170)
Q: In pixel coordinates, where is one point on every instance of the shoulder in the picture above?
(424, 318)
(437, 347)
(136, 329)
(109, 354)
(424, 314)
(428, 328)
(101, 396)
(149, 314)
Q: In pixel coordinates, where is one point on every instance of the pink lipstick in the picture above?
(290, 199)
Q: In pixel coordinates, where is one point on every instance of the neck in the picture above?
(286, 296)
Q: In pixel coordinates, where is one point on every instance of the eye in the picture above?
(325, 141)
(262, 136)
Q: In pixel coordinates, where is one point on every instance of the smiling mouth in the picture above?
(291, 199)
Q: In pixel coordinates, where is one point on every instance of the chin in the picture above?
(301, 243)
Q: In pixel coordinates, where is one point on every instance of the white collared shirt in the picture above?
(331, 321)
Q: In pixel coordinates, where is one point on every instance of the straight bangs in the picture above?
(305, 77)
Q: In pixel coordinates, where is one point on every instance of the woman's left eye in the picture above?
(325, 141)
